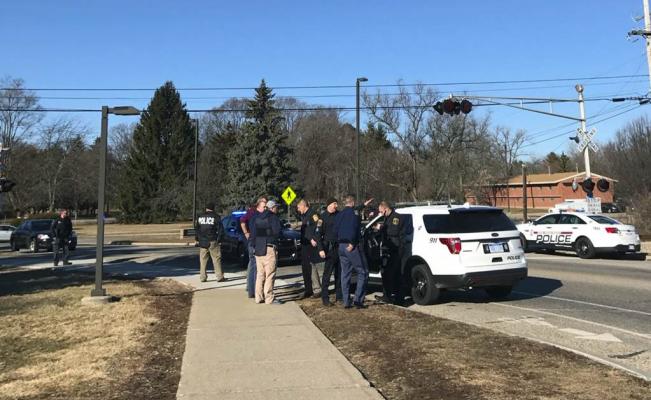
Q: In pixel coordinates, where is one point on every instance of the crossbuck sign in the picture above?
(585, 138)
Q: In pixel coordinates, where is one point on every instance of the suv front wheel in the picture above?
(423, 288)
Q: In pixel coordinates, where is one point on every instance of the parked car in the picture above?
(453, 247)
(585, 234)
(5, 232)
(610, 208)
(35, 234)
(234, 244)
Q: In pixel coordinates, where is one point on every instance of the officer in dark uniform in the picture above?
(309, 249)
(396, 232)
(61, 231)
(347, 228)
(331, 252)
(209, 232)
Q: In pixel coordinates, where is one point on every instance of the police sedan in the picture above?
(585, 234)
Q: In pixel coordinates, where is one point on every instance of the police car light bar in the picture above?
(238, 213)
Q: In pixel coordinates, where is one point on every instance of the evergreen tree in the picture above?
(154, 184)
(261, 161)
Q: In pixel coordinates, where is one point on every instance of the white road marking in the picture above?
(579, 334)
(586, 303)
(632, 333)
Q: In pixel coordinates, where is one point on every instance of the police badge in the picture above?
(395, 221)
(315, 217)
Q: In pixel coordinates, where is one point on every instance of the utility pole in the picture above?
(586, 151)
(647, 31)
(506, 166)
(524, 193)
(194, 183)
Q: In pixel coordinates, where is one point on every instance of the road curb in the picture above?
(134, 243)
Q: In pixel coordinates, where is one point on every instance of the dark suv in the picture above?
(35, 234)
(234, 243)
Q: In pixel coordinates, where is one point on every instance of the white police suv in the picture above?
(585, 234)
(454, 247)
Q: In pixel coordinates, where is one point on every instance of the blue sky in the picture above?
(141, 44)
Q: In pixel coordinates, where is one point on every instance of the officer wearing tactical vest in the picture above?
(209, 232)
(397, 230)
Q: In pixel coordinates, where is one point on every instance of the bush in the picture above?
(640, 213)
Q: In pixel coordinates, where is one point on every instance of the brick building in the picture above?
(543, 190)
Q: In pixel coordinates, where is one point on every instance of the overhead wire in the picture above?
(635, 107)
(502, 82)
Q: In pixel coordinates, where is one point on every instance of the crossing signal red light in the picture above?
(588, 186)
(466, 106)
(603, 185)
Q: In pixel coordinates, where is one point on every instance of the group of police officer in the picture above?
(331, 244)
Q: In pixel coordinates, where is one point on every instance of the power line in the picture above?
(503, 82)
(549, 131)
(593, 123)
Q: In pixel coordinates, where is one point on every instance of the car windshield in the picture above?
(41, 225)
(468, 222)
(600, 219)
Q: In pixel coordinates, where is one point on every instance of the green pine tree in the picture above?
(261, 161)
(154, 184)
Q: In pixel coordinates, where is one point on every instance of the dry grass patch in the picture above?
(409, 355)
(137, 232)
(53, 346)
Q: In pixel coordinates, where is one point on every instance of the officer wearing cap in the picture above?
(209, 232)
(396, 237)
(331, 252)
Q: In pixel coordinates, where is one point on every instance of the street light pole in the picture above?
(194, 188)
(357, 173)
(99, 291)
(99, 247)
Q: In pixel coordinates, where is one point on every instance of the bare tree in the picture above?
(18, 111)
(405, 117)
(56, 139)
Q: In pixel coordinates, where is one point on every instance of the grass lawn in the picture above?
(52, 346)
(408, 355)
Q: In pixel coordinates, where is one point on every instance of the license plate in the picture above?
(495, 248)
(631, 247)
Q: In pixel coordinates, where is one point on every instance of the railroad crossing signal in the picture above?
(289, 195)
(584, 139)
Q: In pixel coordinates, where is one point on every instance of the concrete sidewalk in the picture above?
(236, 349)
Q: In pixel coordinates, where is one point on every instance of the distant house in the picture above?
(543, 190)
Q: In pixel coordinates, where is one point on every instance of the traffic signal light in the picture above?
(6, 185)
(453, 107)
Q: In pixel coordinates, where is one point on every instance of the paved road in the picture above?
(598, 307)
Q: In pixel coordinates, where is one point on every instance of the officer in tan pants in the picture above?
(265, 232)
(208, 233)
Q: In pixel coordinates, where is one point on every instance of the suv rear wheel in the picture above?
(423, 288)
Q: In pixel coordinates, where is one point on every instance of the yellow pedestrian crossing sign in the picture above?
(288, 195)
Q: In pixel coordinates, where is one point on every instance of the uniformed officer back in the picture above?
(209, 228)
